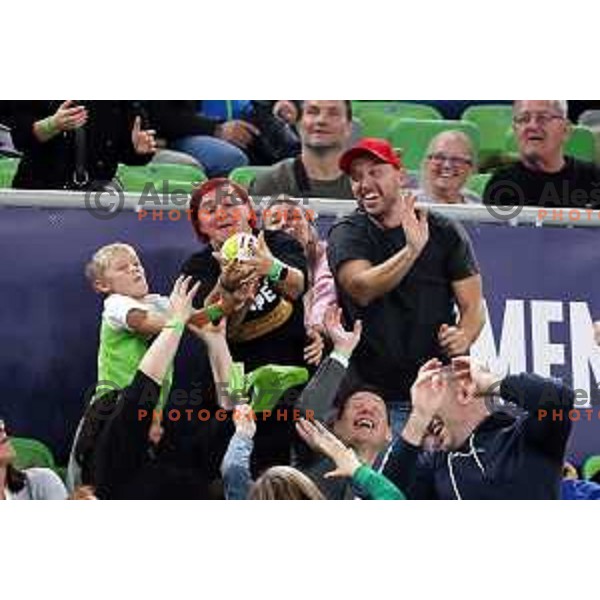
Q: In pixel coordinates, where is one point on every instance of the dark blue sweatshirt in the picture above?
(508, 456)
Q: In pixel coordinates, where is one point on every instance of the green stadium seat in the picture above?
(397, 108)
(376, 124)
(476, 183)
(494, 121)
(32, 453)
(180, 177)
(8, 168)
(413, 137)
(244, 176)
(581, 144)
(590, 467)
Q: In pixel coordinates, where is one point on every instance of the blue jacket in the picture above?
(517, 456)
(577, 489)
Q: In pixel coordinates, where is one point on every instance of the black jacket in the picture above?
(506, 457)
(128, 467)
(174, 119)
(52, 164)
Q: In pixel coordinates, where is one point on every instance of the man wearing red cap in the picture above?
(401, 270)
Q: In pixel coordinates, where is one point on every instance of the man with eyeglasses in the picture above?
(449, 162)
(544, 176)
(401, 271)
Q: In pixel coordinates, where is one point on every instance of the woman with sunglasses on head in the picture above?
(448, 164)
(292, 217)
(30, 484)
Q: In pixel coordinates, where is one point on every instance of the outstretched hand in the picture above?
(344, 341)
(415, 224)
(469, 371)
(319, 438)
(263, 259)
(245, 420)
(211, 331)
(234, 273)
(428, 392)
(313, 352)
(181, 298)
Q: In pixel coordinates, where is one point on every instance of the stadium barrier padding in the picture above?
(540, 285)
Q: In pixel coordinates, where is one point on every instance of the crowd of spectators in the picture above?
(340, 366)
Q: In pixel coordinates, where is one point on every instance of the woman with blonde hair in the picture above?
(448, 164)
(284, 483)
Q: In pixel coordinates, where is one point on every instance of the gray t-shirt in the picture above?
(282, 179)
(41, 484)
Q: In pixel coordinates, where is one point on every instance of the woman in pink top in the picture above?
(296, 220)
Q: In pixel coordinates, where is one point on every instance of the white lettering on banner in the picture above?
(512, 357)
(545, 354)
(538, 353)
(584, 351)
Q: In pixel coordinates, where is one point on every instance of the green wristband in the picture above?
(176, 324)
(274, 273)
(214, 312)
(48, 127)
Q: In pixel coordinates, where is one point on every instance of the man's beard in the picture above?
(321, 150)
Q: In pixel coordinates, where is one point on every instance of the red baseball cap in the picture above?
(376, 148)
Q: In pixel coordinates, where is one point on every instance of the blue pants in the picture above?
(216, 156)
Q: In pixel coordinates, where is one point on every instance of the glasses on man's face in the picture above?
(456, 162)
(542, 118)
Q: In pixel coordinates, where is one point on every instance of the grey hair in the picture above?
(561, 106)
(455, 133)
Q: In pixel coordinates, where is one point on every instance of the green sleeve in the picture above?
(378, 486)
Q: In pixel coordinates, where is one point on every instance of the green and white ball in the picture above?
(240, 246)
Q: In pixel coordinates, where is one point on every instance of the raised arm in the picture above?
(376, 486)
(538, 396)
(288, 279)
(365, 282)
(215, 339)
(406, 466)
(319, 394)
(235, 468)
(161, 353)
(123, 444)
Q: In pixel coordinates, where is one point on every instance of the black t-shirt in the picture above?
(576, 185)
(400, 328)
(273, 330)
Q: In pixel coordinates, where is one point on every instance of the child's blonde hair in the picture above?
(102, 258)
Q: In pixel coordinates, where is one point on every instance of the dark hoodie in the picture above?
(518, 456)
(128, 467)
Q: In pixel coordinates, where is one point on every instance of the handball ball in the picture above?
(240, 246)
